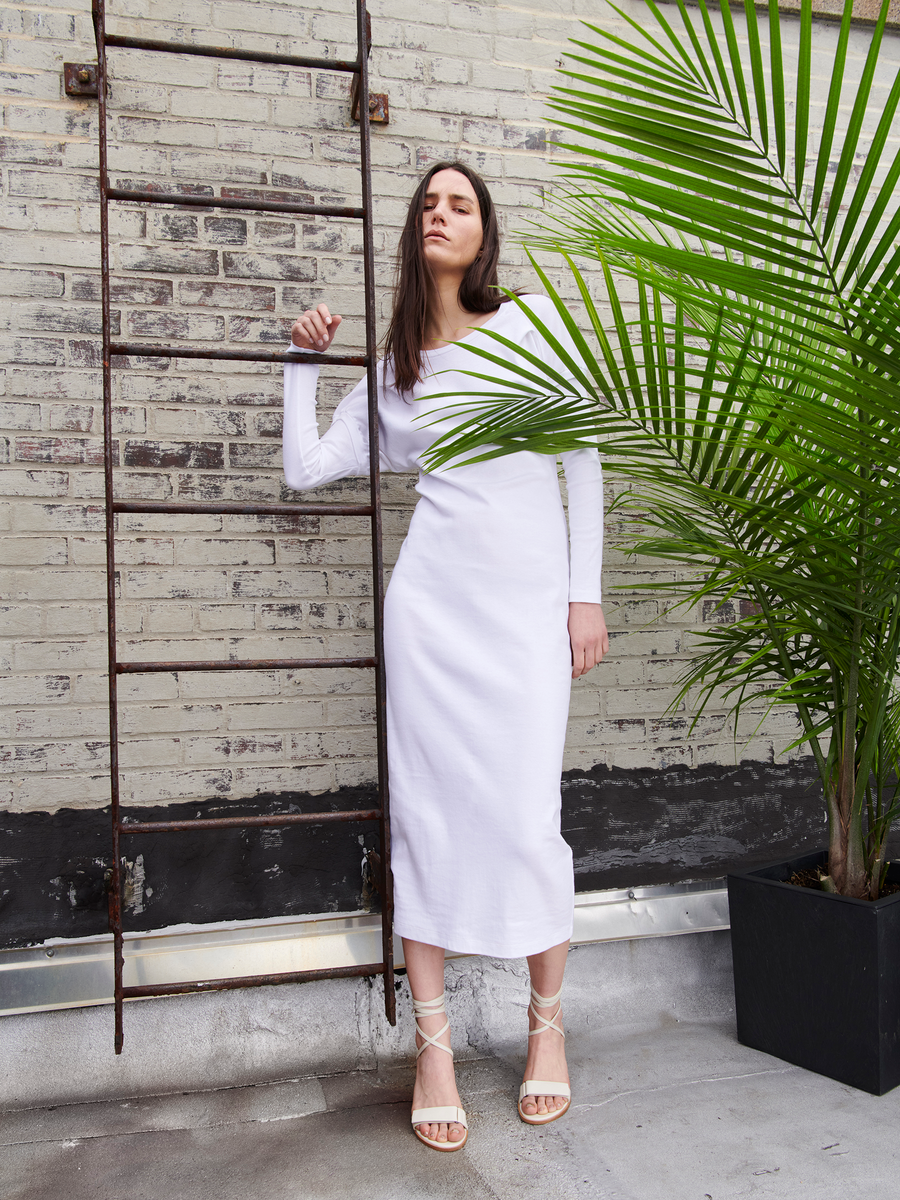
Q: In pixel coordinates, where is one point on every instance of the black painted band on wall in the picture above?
(626, 828)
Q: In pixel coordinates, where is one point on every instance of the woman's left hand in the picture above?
(587, 636)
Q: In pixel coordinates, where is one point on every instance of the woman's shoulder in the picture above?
(541, 306)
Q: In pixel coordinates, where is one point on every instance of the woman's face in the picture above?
(451, 223)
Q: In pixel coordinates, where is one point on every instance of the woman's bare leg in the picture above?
(435, 1078)
(546, 1052)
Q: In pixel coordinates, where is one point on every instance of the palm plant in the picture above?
(746, 377)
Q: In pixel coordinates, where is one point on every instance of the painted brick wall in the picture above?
(466, 79)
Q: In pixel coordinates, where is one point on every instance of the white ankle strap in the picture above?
(545, 1023)
(545, 1001)
(431, 1008)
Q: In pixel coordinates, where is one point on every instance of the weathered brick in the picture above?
(31, 283)
(227, 295)
(219, 167)
(227, 617)
(276, 330)
(71, 620)
(246, 455)
(199, 423)
(20, 620)
(508, 137)
(170, 618)
(225, 551)
(70, 721)
(275, 233)
(195, 102)
(166, 133)
(23, 82)
(325, 550)
(156, 787)
(43, 352)
(20, 416)
(176, 585)
(85, 353)
(175, 261)
(259, 79)
(254, 747)
(268, 266)
(288, 584)
(66, 319)
(122, 291)
(35, 689)
(35, 483)
(199, 455)
(289, 714)
(59, 450)
(52, 655)
(175, 226)
(34, 551)
(225, 231)
(176, 326)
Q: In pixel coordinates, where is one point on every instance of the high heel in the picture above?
(448, 1113)
(543, 1087)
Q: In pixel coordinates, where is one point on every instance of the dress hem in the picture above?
(485, 951)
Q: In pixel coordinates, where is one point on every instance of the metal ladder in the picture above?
(379, 862)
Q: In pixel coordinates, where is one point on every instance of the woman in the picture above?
(486, 622)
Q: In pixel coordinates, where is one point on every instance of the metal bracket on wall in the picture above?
(379, 110)
(80, 79)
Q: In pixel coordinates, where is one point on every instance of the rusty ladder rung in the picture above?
(246, 204)
(347, 66)
(269, 821)
(244, 664)
(149, 350)
(238, 508)
(220, 985)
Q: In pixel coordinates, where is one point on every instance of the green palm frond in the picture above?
(743, 372)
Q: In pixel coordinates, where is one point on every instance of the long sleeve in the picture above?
(343, 450)
(584, 482)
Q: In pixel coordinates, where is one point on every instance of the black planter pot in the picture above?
(817, 976)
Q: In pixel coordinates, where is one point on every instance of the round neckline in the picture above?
(478, 328)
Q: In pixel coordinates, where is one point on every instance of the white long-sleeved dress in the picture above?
(476, 652)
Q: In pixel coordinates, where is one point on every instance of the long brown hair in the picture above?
(478, 292)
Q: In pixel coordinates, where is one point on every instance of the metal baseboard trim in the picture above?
(77, 973)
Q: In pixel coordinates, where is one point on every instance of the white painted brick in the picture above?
(464, 79)
(46, 793)
(21, 620)
(59, 655)
(37, 552)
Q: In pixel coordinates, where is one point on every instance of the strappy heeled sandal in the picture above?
(448, 1113)
(543, 1087)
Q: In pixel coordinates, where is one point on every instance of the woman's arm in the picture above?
(588, 635)
(343, 450)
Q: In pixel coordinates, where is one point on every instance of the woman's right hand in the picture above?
(315, 329)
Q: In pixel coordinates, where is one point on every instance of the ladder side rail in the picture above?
(98, 12)
(383, 861)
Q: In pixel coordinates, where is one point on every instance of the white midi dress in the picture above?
(477, 654)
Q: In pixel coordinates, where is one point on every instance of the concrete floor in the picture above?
(679, 1111)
